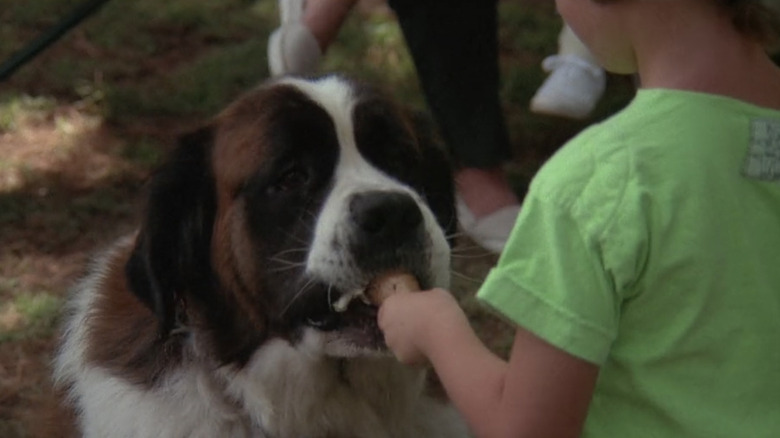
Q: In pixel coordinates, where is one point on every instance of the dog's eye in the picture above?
(292, 179)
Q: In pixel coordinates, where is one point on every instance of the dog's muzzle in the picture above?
(386, 231)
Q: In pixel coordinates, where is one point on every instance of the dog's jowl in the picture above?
(237, 309)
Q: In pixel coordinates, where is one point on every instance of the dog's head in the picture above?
(293, 199)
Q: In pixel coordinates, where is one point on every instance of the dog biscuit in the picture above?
(389, 284)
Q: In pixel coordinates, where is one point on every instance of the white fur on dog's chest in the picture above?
(283, 392)
(295, 393)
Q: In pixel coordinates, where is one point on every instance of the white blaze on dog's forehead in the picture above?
(353, 174)
(333, 94)
(336, 97)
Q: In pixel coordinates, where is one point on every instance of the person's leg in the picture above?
(307, 29)
(454, 45)
(484, 190)
(325, 17)
(576, 81)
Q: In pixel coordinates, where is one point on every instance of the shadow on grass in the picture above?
(68, 184)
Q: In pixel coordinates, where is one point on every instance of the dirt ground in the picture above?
(82, 126)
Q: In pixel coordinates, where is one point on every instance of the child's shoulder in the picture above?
(586, 169)
(604, 156)
(659, 130)
(655, 119)
(602, 148)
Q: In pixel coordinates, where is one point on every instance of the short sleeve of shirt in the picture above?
(573, 254)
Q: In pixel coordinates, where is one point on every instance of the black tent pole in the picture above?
(27, 53)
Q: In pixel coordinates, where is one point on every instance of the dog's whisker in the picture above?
(295, 238)
(312, 215)
(309, 283)
(455, 235)
(461, 248)
(292, 250)
(277, 258)
(286, 262)
(286, 268)
(467, 277)
(305, 223)
(480, 255)
(470, 249)
(467, 246)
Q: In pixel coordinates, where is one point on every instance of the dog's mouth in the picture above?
(352, 318)
(348, 310)
(357, 319)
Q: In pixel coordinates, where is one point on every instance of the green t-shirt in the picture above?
(650, 245)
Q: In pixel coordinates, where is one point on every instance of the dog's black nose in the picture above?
(385, 215)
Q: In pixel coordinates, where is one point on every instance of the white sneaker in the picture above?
(573, 88)
(490, 232)
(292, 48)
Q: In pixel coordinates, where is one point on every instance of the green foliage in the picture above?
(30, 315)
(145, 152)
(200, 88)
(530, 31)
(15, 107)
(373, 49)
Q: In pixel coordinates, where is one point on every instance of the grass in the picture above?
(374, 49)
(15, 108)
(29, 315)
(198, 89)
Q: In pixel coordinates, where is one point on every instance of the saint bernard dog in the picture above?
(237, 309)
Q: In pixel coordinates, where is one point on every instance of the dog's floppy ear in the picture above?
(171, 253)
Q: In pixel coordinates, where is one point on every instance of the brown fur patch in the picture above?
(240, 141)
(241, 146)
(239, 149)
(123, 333)
(233, 259)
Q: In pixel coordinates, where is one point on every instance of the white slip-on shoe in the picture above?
(573, 88)
(292, 48)
(490, 232)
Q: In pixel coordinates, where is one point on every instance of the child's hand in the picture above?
(413, 323)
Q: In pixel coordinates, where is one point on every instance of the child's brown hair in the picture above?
(754, 18)
(751, 17)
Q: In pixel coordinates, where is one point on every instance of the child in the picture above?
(642, 273)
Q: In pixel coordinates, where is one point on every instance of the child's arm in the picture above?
(541, 392)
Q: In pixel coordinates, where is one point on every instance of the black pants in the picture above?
(454, 45)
